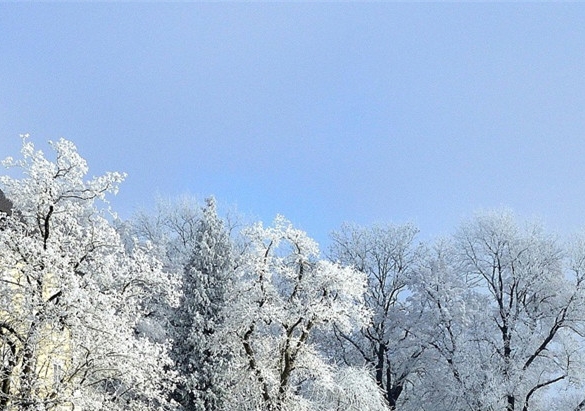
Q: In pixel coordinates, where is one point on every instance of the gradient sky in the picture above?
(323, 112)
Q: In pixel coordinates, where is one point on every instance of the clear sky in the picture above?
(323, 112)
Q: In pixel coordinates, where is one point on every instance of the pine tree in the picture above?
(206, 283)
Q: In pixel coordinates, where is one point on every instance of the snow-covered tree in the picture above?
(534, 306)
(193, 242)
(71, 294)
(285, 293)
(450, 313)
(386, 255)
(199, 350)
(504, 318)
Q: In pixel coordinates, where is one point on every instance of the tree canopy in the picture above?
(176, 309)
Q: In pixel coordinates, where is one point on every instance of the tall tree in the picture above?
(504, 314)
(284, 294)
(71, 294)
(386, 255)
(208, 278)
(450, 313)
(533, 305)
(195, 243)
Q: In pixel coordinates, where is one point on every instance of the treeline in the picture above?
(180, 309)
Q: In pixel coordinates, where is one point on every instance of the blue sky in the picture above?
(323, 112)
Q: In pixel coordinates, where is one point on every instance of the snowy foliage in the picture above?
(284, 292)
(72, 294)
(168, 311)
(198, 348)
(386, 255)
(504, 317)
